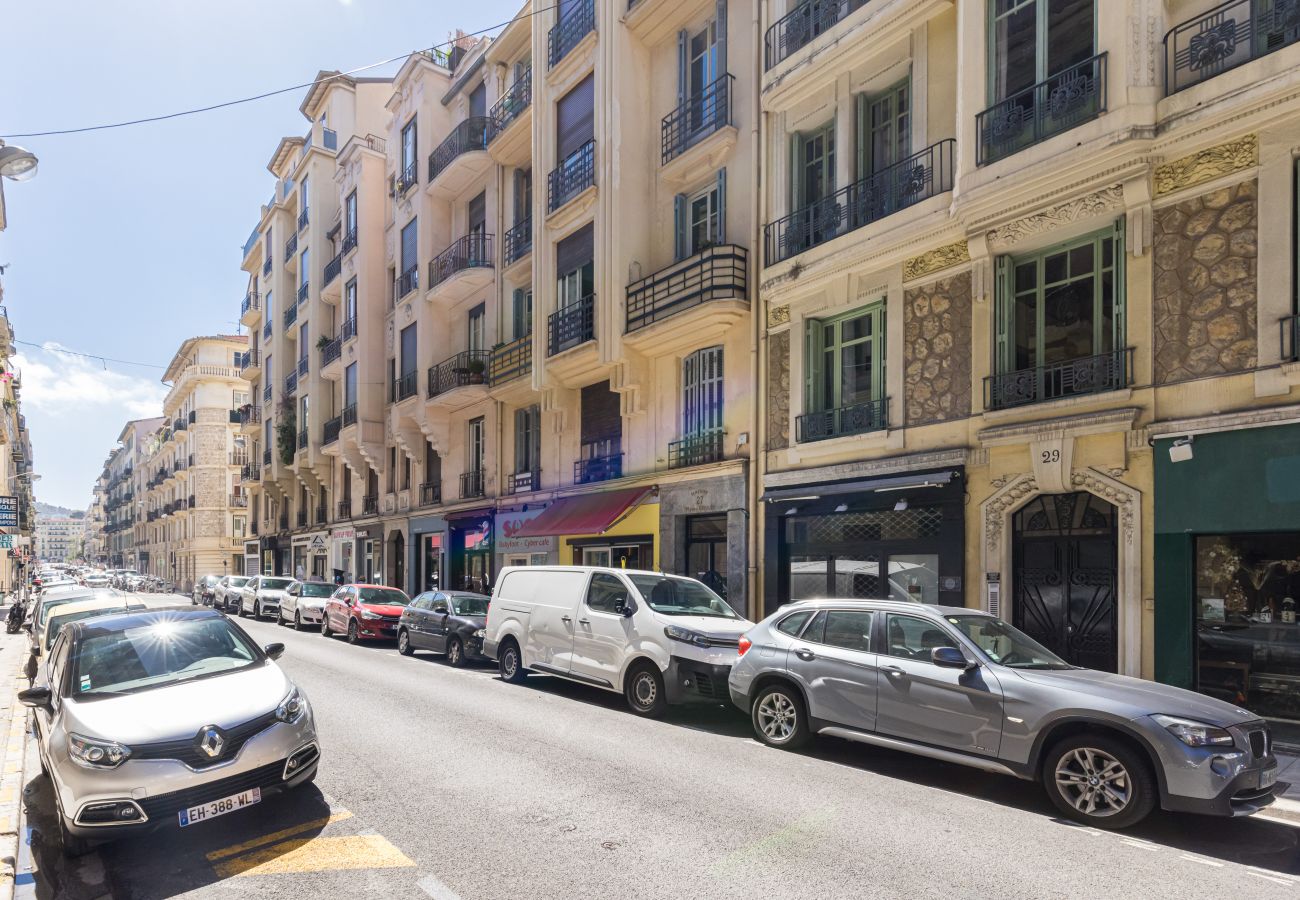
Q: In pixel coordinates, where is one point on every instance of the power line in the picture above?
(102, 359)
(297, 87)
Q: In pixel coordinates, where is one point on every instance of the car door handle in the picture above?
(566, 619)
(893, 671)
(584, 621)
(805, 655)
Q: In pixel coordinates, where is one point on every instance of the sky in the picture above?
(129, 240)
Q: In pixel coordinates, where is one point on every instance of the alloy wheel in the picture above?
(777, 717)
(1093, 782)
(454, 653)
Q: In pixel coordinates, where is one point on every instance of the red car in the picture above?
(364, 612)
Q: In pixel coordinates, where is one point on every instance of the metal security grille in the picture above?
(874, 525)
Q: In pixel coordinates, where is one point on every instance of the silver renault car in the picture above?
(168, 716)
(962, 686)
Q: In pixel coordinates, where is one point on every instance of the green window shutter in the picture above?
(812, 361)
(861, 128)
(878, 354)
(681, 228)
(1002, 305)
(796, 173)
(721, 236)
(1118, 325)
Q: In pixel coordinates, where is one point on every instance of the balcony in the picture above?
(461, 159)
(349, 243)
(598, 468)
(266, 457)
(518, 241)
(251, 309)
(302, 518)
(571, 177)
(348, 330)
(290, 315)
(238, 501)
(430, 493)
(266, 330)
(509, 141)
(369, 506)
(1065, 100)
(266, 268)
(332, 428)
(696, 449)
(303, 291)
(469, 367)
(523, 482)
(402, 387)
(290, 248)
(250, 472)
(303, 367)
(919, 177)
(345, 509)
(1290, 338)
(700, 116)
(180, 425)
(302, 439)
(510, 361)
(408, 178)
(678, 307)
(321, 515)
(1077, 377)
(571, 326)
(238, 457)
(471, 484)
(797, 28)
(406, 282)
(291, 383)
(332, 269)
(303, 219)
(330, 351)
(1230, 35)
(859, 418)
(250, 364)
(250, 415)
(569, 31)
(349, 415)
(234, 418)
(461, 269)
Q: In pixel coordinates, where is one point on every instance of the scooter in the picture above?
(17, 612)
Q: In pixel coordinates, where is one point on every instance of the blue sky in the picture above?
(129, 240)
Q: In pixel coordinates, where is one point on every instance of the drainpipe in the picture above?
(758, 318)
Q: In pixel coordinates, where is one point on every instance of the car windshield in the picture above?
(238, 582)
(469, 605)
(161, 652)
(54, 603)
(1007, 645)
(276, 584)
(382, 596)
(57, 622)
(681, 597)
(317, 589)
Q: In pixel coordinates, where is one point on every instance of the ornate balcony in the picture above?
(345, 509)
(332, 269)
(250, 472)
(510, 361)
(290, 248)
(430, 493)
(251, 309)
(469, 367)
(575, 173)
(523, 482)
(369, 505)
(266, 456)
(330, 351)
(714, 274)
(696, 119)
(461, 158)
(461, 269)
(302, 439)
(303, 290)
(1064, 101)
(290, 315)
(569, 31)
(696, 449)
(1229, 35)
(407, 179)
(302, 518)
(1077, 377)
(349, 243)
(598, 468)
(471, 484)
(266, 268)
(517, 98)
(291, 383)
(406, 282)
(348, 330)
(859, 418)
(797, 28)
(332, 428)
(303, 219)
(906, 183)
(250, 364)
(518, 241)
(402, 387)
(349, 415)
(572, 325)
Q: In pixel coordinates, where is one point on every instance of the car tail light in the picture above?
(742, 646)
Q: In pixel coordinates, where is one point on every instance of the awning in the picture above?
(587, 514)
(892, 483)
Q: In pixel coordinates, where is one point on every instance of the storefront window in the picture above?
(1247, 637)
(706, 551)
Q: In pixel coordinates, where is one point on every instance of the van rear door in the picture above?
(556, 595)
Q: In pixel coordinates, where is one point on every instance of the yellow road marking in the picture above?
(275, 836)
(319, 854)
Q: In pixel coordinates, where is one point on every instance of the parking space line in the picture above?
(277, 836)
(1273, 878)
(317, 854)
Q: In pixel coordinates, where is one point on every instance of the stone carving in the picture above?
(1006, 500)
(1207, 164)
(936, 350)
(777, 315)
(778, 391)
(1205, 290)
(935, 260)
(1120, 496)
(1096, 203)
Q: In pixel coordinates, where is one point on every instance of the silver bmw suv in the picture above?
(962, 686)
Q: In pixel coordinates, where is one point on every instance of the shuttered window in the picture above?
(702, 392)
(575, 118)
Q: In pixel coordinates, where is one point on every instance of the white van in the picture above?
(655, 638)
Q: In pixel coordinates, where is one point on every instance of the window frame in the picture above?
(1041, 37)
(817, 352)
(901, 143)
(703, 391)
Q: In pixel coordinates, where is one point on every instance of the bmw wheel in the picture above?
(644, 690)
(1100, 781)
(779, 717)
(404, 643)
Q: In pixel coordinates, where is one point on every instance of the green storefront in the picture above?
(1227, 569)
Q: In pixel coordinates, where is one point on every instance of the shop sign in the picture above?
(6, 541)
(317, 543)
(508, 523)
(344, 534)
(8, 512)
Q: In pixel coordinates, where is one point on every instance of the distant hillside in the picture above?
(45, 509)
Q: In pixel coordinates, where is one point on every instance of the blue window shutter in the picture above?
(721, 236)
(682, 39)
(722, 37)
(680, 236)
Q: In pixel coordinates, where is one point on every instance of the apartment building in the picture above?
(124, 484)
(58, 538)
(1029, 333)
(93, 535)
(194, 508)
(16, 474)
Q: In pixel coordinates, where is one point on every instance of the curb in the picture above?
(11, 783)
(1283, 810)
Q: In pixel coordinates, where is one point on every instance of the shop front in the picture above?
(895, 537)
(252, 559)
(271, 555)
(515, 550)
(469, 554)
(611, 528)
(369, 554)
(342, 547)
(425, 548)
(702, 529)
(1227, 563)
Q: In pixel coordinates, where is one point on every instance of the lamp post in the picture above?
(17, 163)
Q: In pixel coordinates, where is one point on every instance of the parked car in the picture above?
(655, 638)
(167, 717)
(962, 686)
(364, 612)
(205, 590)
(97, 580)
(262, 595)
(105, 603)
(449, 622)
(226, 595)
(304, 603)
(53, 599)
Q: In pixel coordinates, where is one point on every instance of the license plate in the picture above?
(205, 811)
(1268, 777)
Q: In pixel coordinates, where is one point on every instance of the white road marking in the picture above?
(1202, 860)
(433, 886)
(1143, 845)
(1272, 878)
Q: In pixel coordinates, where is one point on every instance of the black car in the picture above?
(449, 622)
(205, 589)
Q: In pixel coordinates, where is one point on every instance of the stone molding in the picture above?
(1053, 429)
(1207, 165)
(1231, 421)
(778, 316)
(868, 469)
(935, 260)
(1087, 206)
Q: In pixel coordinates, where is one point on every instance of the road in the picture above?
(450, 783)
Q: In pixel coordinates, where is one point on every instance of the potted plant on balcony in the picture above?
(475, 367)
(286, 432)
(322, 342)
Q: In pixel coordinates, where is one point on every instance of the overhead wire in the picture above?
(55, 348)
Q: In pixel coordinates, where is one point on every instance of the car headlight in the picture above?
(686, 636)
(292, 707)
(482, 632)
(367, 614)
(96, 754)
(1195, 734)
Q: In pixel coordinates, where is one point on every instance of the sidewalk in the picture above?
(13, 729)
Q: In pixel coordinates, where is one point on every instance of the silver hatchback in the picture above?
(962, 686)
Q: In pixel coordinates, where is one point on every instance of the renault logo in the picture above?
(212, 741)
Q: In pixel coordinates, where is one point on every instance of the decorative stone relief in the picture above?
(778, 391)
(1208, 164)
(777, 316)
(936, 350)
(1205, 293)
(935, 260)
(1094, 204)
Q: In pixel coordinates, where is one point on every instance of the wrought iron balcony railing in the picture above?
(1051, 107)
(797, 28)
(302, 439)
(266, 456)
(1290, 338)
(291, 383)
(598, 468)
(302, 518)
(290, 247)
(303, 219)
(402, 387)
(266, 267)
(509, 361)
(569, 30)
(406, 282)
(471, 484)
(332, 269)
(430, 493)
(473, 251)
(858, 418)
(1229, 35)
(523, 482)
(513, 102)
(696, 449)
(466, 367)
(349, 243)
(330, 351)
(1076, 377)
(266, 394)
(469, 135)
(266, 330)
(713, 273)
(571, 325)
(348, 330)
(369, 505)
(408, 178)
(575, 173)
(321, 514)
(349, 415)
(251, 302)
(906, 183)
(345, 509)
(518, 241)
(303, 367)
(696, 119)
(332, 428)
(303, 290)
(291, 315)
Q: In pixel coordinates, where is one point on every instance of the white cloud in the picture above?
(61, 385)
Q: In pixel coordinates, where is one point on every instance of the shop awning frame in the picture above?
(584, 513)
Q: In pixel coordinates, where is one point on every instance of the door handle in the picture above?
(893, 671)
(584, 621)
(566, 618)
(805, 655)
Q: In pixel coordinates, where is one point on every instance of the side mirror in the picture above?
(628, 608)
(274, 651)
(950, 658)
(37, 696)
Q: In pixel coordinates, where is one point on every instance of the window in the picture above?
(884, 129)
(1032, 40)
(270, 306)
(846, 360)
(575, 118)
(268, 245)
(522, 312)
(303, 419)
(391, 474)
(302, 198)
(850, 629)
(409, 247)
(814, 166)
(269, 378)
(607, 594)
(408, 151)
(303, 346)
(406, 472)
(350, 385)
(478, 101)
(350, 214)
(912, 638)
(574, 271)
(702, 392)
(304, 268)
(700, 222)
(528, 439)
(477, 324)
(706, 551)
(350, 305)
(701, 63)
(792, 624)
(408, 343)
(474, 445)
(523, 195)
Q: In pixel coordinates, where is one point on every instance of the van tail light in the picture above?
(742, 646)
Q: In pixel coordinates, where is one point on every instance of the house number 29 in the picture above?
(1051, 456)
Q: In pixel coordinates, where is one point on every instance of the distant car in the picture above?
(97, 579)
(364, 612)
(448, 622)
(226, 594)
(205, 590)
(304, 603)
(101, 605)
(165, 718)
(53, 599)
(262, 596)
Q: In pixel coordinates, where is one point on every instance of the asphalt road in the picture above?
(449, 783)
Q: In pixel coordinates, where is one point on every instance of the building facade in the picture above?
(16, 474)
(58, 538)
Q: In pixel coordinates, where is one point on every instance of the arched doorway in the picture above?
(1064, 560)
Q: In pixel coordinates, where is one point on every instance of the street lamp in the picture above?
(17, 163)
